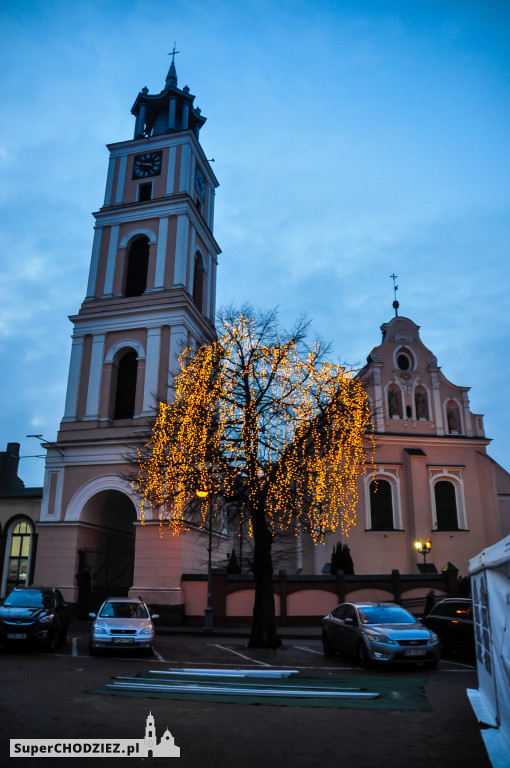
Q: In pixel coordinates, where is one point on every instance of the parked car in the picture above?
(452, 620)
(37, 615)
(378, 632)
(122, 622)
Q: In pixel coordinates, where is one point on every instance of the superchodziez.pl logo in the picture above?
(146, 747)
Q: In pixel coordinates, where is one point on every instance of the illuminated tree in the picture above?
(266, 425)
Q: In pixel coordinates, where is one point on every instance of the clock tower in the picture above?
(150, 294)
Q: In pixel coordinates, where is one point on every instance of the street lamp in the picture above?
(205, 494)
(424, 548)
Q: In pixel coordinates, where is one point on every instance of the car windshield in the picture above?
(385, 614)
(123, 610)
(29, 598)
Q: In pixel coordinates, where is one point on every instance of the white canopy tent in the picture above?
(490, 586)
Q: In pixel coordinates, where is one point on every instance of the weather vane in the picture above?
(173, 54)
(395, 289)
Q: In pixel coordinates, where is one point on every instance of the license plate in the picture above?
(415, 652)
(17, 637)
(124, 640)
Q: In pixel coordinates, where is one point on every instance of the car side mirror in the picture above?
(155, 616)
(350, 621)
(92, 615)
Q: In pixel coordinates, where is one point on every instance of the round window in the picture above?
(403, 362)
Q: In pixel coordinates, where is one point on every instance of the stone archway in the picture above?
(107, 548)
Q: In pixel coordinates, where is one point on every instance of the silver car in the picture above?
(379, 632)
(122, 622)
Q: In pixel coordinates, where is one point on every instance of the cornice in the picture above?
(410, 440)
(159, 208)
(152, 316)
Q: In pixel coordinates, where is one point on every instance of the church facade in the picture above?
(151, 294)
(434, 481)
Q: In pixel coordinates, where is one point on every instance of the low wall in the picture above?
(304, 600)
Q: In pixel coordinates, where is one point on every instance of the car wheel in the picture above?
(362, 656)
(328, 648)
(92, 650)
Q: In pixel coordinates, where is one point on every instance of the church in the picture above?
(150, 294)
(434, 481)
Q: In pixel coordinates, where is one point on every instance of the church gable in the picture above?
(408, 391)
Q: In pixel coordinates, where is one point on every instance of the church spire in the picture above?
(171, 78)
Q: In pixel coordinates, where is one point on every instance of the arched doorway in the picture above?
(106, 557)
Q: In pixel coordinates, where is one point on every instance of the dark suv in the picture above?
(34, 615)
(452, 620)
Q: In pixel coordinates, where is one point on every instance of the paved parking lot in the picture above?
(45, 695)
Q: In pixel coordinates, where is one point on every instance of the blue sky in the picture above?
(352, 140)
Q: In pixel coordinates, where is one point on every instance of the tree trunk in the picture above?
(263, 628)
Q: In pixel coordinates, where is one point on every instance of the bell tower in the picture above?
(150, 294)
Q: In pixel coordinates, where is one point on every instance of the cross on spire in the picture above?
(173, 54)
(171, 78)
(395, 289)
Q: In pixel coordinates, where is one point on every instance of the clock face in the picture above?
(200, 183)
(148, 164)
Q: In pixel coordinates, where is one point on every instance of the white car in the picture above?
(122, 622)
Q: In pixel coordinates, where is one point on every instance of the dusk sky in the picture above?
(351, 140)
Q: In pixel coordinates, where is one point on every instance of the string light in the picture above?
(260, 423)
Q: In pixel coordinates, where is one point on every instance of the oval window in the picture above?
(403, 362)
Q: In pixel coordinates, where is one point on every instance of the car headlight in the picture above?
(46, 619)
(148, 631)
(374, 637)
(433, 638)
(99, 631)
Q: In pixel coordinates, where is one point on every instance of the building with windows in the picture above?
(150, 295)
(19, 512)
(433, 480)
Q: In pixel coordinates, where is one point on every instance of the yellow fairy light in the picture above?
(256, 421)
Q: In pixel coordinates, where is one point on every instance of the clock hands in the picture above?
(148, 164)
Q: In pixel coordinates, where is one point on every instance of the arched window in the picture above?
(18, 558)
(453, 417)
(446, 506)
(125, 391)
(394, 402)
(381, 506)
(421, 403)
(137, 266)
(198, 282)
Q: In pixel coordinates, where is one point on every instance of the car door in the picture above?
(343, 629)
(335, 625)
(350, 631)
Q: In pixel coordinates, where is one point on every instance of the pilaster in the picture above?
(73, 381)
(94, 385)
